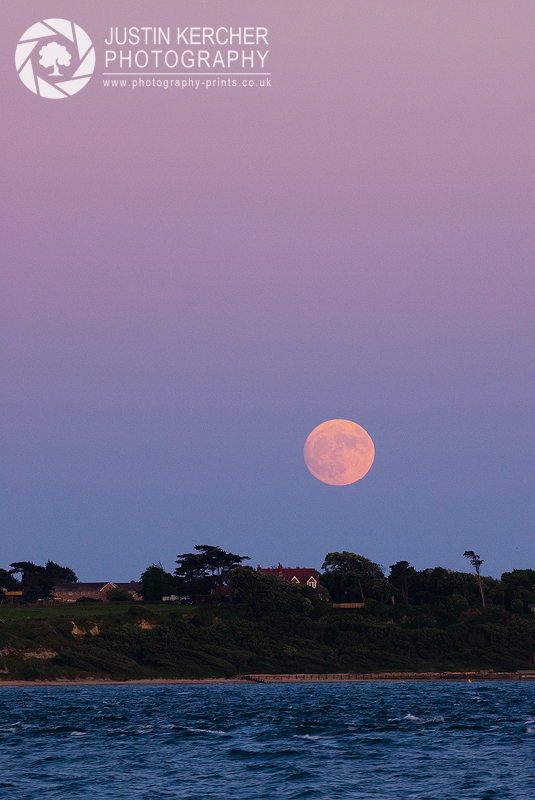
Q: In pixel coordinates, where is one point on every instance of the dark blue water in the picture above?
(373, 740)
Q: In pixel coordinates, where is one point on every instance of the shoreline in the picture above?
(486, 675)
(132, 682)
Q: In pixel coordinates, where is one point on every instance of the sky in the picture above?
(194, 279)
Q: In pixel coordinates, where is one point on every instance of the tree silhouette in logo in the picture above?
(40, 51)
(53, 54)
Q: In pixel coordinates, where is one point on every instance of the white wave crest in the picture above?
(207, 730)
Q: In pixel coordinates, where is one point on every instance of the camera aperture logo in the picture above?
(55, 58)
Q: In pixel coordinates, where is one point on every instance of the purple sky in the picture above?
(193, 280)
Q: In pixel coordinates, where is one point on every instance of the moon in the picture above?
(339, 452)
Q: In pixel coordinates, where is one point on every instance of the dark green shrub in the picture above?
(88, 600)
(138, 612)
(516, 606)
(118, 595)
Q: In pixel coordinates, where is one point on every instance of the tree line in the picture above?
(346, 577)
(210, 571)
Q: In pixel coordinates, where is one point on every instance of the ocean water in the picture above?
(421, 741)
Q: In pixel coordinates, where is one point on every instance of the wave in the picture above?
(266, 748)
(206, 730)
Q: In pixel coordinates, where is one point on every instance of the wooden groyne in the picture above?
(303, 677)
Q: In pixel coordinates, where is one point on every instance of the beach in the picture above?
(483, 675)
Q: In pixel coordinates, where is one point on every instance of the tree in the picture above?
(118, 595)
(60, 574)
(34, 583)
(517, 606)
(520, 578)
(401, 575)
(156, 583)
(519, 584)
(476, 562)
(268, 595)
(8, 581)
(37, 582)
(53, 54)
(348, 575)
(207, 570)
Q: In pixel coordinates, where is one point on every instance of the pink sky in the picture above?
(192, 281)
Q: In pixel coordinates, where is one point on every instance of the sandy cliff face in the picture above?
(39, 654)
(79, 632)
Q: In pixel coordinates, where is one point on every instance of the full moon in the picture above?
(339, 452)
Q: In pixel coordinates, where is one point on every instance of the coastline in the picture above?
(486, 675)
(110, 682)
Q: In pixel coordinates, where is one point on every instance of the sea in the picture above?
(381, 740)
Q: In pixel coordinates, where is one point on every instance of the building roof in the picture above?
(94, 588)
(82, 587)
(297, 574)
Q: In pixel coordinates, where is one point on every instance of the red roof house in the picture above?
(294, 574)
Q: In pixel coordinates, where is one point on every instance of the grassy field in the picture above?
(72, 611)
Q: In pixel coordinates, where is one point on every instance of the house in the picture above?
(133, 588)
(293, 574)
(70, 592)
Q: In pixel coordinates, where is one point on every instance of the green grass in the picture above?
(225, 640)
(80, 610)
(73, 611)
(77, 611)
